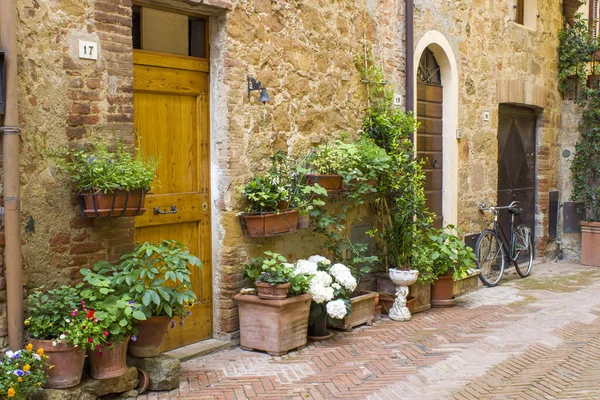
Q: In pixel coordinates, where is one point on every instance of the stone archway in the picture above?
(441, 49)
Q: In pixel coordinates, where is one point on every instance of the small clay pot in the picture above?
(150, 337)
(267, 291)
(109, 361)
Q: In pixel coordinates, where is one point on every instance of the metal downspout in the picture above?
(410, 69)
(10, 166)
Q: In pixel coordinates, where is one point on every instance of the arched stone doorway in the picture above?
(438, 114)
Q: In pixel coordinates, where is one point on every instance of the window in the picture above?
(169, 32)
(526, 13)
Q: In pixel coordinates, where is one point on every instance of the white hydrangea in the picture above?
(336, 309)
(321, 278)
(320, 293)
(305, 267)
(336, 286)
(319, 259)
(343, 275)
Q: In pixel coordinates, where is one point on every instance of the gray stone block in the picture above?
(163, 371)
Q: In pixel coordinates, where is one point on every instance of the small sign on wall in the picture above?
(88, 50)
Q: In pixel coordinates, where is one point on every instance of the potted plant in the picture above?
(22, 372)
(271, 276)
(451, 259)
(274, 325)
(56, 325)
(110, 317)
(305, 197)
(156, 276)
(109, 183)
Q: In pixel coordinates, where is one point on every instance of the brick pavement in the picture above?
(537, 338)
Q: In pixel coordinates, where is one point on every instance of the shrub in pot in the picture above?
(110, 317)
(156, 276)
(22, 372)
(109, 183)
(274, 277)
(56, 325)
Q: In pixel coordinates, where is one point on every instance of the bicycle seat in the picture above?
(515, 210)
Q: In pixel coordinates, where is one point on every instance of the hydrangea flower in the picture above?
(343, 275)
(319, 259)
(320, 293)
(336, 309)
(305, 267)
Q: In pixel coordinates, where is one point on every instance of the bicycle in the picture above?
(491, 247)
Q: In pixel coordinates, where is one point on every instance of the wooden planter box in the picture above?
(590, 243)
(274, 326)
(363, 311)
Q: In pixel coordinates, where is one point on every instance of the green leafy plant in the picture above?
(275, 269)
(101, 166)
(448, 253)
(50, 312)
(22, 372)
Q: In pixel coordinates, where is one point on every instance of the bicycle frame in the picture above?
(510, 249)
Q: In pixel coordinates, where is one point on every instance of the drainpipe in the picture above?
(10, 166)
(410, 68)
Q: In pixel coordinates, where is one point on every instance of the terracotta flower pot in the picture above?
(270, 224)
(151, 334)
(590, 243)
(272, 292)
(332, 183)
(441, 292)
(109, 361)
(67, 361)
(118, 204)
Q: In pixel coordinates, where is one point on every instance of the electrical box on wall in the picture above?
(2, 84)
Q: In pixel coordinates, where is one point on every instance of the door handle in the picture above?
(434, 163)
(158, 211)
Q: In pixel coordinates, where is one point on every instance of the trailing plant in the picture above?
(275, 269)
(22, 372)
(585, 168)
(97, 167)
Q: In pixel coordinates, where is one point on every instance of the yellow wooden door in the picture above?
(171, 119)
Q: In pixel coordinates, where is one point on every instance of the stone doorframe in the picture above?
(444, 55)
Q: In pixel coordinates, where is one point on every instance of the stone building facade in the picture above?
(303, 52)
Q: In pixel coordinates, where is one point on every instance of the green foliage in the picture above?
(275, 269)
(585, 168)
(95, 167)
(22, 372)
(442, 252)
(50, 311)
(575, 50)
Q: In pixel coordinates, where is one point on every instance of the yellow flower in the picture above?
(29, 347)
(40, 352)
(50, 367)
(11, 392)
(19, 379)
(27, 322)
(26, 367)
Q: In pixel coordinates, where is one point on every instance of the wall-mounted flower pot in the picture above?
(269, 224)
(441, 292)
(332, 183)
(590, 243)
(150, 337)
(272, 292)
(109, 361)
(363, 311)
(117, 204)
(274, 326)
(67, 363)
(593, 81)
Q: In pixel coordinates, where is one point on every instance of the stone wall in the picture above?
(499, 61)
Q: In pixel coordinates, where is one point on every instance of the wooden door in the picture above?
(429, 145)
(171, 119)
(516, 163)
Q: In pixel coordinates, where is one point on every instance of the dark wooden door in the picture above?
(516, 163)
(429, 144)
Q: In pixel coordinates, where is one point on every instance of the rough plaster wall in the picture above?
(490, 48)
(303, 53)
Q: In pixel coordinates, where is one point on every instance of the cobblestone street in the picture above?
(533, 338)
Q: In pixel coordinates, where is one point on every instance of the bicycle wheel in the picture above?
(524, 249)
(490, 258)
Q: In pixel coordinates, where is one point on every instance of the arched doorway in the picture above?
(430, 107)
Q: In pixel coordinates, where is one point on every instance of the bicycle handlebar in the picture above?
(482, 207)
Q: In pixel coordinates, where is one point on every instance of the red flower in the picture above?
(91, 314)
(105, 333)
(90, 340)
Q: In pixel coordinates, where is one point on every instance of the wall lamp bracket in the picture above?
(253, 84)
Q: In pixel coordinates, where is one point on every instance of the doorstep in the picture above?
(202, 348)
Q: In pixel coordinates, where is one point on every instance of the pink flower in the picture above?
(97, 347)
(90, 340)
(105, 333)
(100, 353)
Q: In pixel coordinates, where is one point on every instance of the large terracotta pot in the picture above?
(441, 292)
(590, 243)
(67, 361)
(109, 361)
(272, 292)
(332, 183)
(150, 337)
(274, 326)
(270, 224)
(118, 204)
